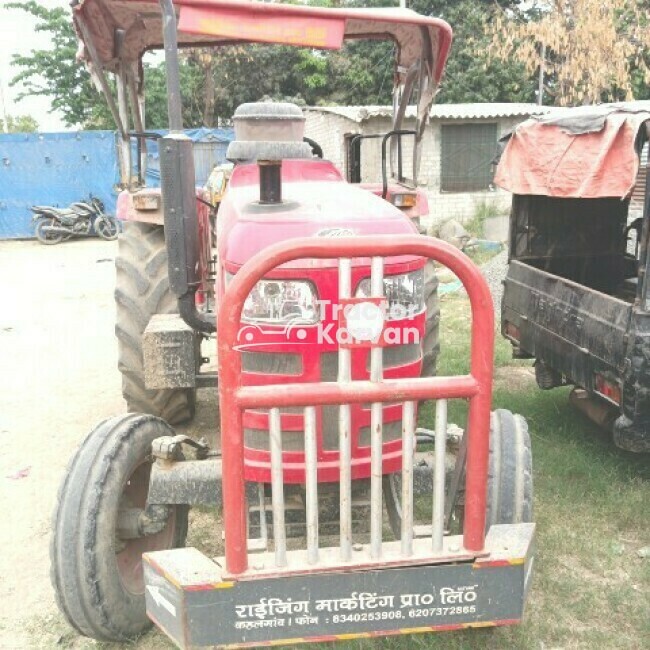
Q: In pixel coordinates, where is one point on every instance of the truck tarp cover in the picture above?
(590, 152)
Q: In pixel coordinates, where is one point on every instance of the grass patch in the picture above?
(591, 589)
(482, 211)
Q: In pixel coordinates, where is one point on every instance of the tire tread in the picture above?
(142, 290)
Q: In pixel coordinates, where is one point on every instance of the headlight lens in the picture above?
(282, 301)
(404, 292)
(404, 200)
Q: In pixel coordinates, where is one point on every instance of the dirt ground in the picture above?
(59, 378)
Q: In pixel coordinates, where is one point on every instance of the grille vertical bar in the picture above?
(438, 522)
(277, 487)
(376, 422)
(345, 427)
(311, 488)
(408, 439)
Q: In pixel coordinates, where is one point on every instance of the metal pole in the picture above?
(277, 489)
(408, 438)
(376, 422)
(98, 70)
(311, 478)
(170, 37)
(126, 166)
(438, 522)
(138, 122)
(540, 86)
(345, 428)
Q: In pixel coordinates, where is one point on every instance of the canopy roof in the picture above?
(585, 152)
(137, 26)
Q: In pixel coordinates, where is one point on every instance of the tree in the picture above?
(19, 124)
(589, 50)
(55, 72)
(471, 76)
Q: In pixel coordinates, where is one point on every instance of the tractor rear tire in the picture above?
(96, 575)
(142, 290)
(431, 345)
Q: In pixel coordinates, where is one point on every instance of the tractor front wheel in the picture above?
(96, 567)
(510, 474)
(142, 290)
(510, 478)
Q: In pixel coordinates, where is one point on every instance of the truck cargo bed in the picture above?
(573, 329)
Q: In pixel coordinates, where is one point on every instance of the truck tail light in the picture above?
(608, 388)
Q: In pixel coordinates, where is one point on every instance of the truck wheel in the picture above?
(431, 345)
(97, 575)
(510, 478)
(546, 377)
(142, 290)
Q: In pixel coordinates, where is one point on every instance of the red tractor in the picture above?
(326, 325)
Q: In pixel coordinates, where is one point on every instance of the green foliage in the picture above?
(19, 124)
(155, 88)
(482, 211)
(360, 73)
(470, 76)
(54, 72)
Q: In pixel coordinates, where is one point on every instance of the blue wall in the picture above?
(59, 168)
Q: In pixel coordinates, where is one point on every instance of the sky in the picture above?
(17, 36)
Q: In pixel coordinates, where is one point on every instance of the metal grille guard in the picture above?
(235, 398)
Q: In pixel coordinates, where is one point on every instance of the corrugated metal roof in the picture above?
(439, 111)
(486, 111)
(358, 113)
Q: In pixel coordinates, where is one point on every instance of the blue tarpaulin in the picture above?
(59, 168)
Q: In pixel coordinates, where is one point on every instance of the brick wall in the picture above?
(329, 131)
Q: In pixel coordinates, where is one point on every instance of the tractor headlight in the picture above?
(404, 199)
(282, 302)
(404, 292)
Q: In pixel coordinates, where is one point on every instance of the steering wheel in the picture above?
(316, 149)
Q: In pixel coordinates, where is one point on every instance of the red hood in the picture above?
(316, 202)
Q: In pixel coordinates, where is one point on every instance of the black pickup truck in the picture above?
(576, 296)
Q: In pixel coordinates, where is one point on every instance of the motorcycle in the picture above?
(81, 219)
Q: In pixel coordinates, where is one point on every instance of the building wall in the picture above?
(461, 206)
(329, 131)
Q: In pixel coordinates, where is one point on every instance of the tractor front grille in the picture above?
(272, 363)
